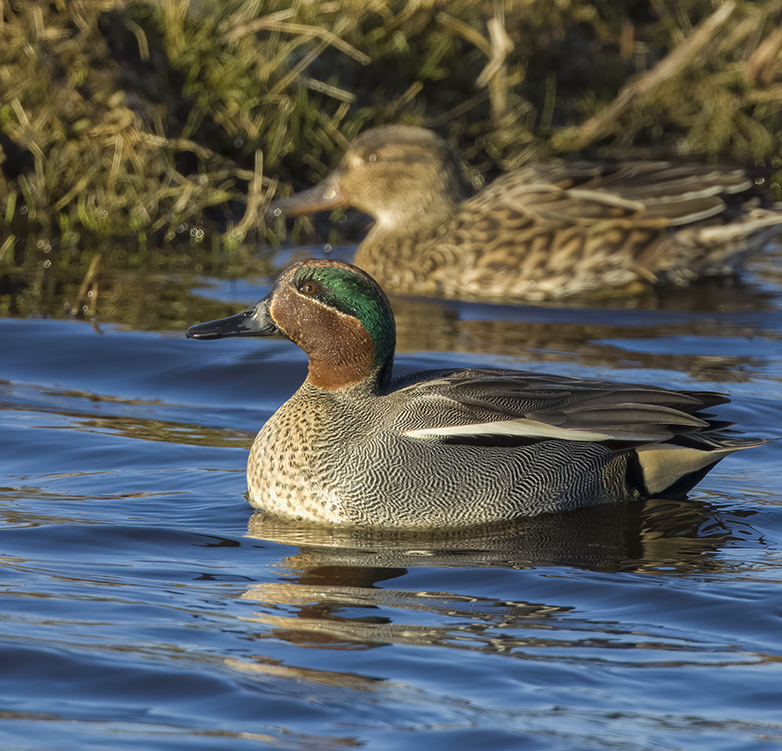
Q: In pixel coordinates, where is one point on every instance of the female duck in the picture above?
(545, 231)
(446, 449)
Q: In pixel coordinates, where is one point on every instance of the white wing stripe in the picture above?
(534, 429)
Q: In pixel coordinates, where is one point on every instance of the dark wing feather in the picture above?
(538, 407)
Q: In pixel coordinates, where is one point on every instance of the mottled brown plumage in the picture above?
(543, 232)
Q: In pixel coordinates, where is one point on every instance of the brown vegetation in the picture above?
(168, 120)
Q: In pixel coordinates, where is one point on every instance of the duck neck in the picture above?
(356, 359)
(343, 372)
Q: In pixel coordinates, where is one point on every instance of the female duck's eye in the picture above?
(309, 288)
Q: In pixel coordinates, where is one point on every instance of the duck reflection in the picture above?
(330, 598)
(591, 331)
(587, 336)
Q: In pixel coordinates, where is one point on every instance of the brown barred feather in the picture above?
(544, 231)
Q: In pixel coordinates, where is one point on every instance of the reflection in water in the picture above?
(589, 337)
(592, 332)
(681, 536)
(131, 588)
(589, 332)
(85, 413)
(108, 283)
(329, 587)
(163, 432)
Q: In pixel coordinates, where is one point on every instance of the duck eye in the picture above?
(309, 288)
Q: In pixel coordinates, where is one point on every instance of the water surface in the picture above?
(144, 604)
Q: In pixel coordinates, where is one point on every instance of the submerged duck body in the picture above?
(449, 448)
(542, 232)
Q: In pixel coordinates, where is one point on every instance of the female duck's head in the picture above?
(405, 177)
(334, 311)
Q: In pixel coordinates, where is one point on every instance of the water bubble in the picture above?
(327, 248)
(47, 263)
(373, 157)
(277, 212)
(23, 209)
(238, 142)
(104, 214)
(90, 293)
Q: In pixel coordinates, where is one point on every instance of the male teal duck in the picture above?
(446, 449)
(543, 232)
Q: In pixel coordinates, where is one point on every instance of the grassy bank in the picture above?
(171, 122)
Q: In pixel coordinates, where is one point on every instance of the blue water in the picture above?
(144, 605)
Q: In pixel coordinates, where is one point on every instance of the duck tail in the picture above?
(668, 470)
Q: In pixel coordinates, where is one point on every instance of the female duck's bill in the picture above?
(544, 231)
(450, 448)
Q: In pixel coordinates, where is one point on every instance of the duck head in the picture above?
(335, 312)
(403, 176)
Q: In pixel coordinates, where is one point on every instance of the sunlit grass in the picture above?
(174, 122)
